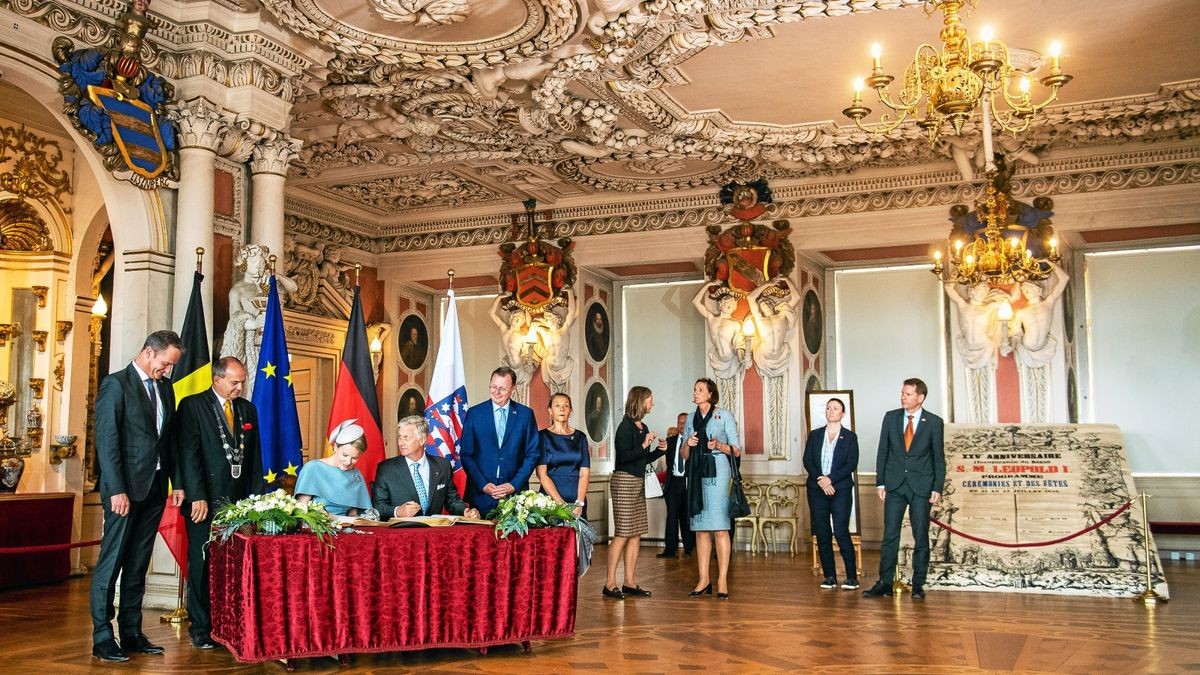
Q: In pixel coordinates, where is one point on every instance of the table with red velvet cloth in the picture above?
(288, 596)
(35, 519)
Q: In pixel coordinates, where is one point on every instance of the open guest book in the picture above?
(413, 521)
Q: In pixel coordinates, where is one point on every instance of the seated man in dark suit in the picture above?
(416, 483)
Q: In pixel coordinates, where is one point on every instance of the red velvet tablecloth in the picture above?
(278, 597)
(35, 519)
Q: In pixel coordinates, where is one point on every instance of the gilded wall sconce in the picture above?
(37, 385)
(62, 329)
(39, 338)
(6, 331)
(33, 438)
(40, 293)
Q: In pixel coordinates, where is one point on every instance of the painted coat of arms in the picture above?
(118, 104)
(534, 273)
(744, 256)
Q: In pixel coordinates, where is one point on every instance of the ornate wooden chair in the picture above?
(756, 497)
(783, 508)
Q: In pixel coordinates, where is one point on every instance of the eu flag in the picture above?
(279, 426)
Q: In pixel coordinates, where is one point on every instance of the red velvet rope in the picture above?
(21, 550)
(1060, 540)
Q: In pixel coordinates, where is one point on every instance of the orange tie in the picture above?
(229, 417)
(908, 434)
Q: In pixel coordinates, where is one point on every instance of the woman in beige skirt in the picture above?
(633, 442)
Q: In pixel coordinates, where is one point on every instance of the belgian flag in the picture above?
(191, 375)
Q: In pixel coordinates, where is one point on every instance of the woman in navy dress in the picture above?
(564, 466)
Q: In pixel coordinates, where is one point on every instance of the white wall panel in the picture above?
(889, 327)
(1143, 310)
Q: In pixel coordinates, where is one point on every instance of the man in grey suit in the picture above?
(133, 413)
(397, 491)
(910, 470)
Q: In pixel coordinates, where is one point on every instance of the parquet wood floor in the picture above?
(776, 621)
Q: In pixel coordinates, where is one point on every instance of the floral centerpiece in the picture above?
(524, 510)
(273, 513)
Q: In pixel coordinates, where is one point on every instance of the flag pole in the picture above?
(450, 273)
(357, 274)
(180, 614)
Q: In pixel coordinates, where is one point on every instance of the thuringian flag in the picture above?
(191, 375)
(278, 423)
(354, 395)
(446, 405)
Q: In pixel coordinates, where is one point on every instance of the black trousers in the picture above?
(678, 522)
(125, 549)
(833, 510)
(896, 502)
(197, 581)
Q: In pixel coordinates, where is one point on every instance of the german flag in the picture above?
(191, 375)
(354, 393)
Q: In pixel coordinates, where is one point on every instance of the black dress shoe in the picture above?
(830, 582)
(140, 644)
(614, 593)
(879, 590)
(707, 589)
(203, 642)
(918, 592)
(635, 590)
(109, 650)
(666, 554)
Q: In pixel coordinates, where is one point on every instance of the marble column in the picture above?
(202, 128)
(268, 170)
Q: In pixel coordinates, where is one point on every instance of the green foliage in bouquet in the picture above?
(524, 510)
(274, 513)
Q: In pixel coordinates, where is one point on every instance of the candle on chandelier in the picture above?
(876, 52)
(858, 87)
(1054, 246)
(987, 34)
(1055, 51)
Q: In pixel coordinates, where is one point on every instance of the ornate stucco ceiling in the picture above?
(427, 109)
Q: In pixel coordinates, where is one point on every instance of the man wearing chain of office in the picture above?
(217, 445)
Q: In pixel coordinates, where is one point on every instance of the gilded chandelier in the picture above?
(989, 257)
(947, 86)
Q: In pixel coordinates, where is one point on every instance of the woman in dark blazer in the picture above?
(830, 459)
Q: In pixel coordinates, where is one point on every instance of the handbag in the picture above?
(738, 506)
(653, 487)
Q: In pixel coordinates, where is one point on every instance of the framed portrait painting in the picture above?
(414, 342)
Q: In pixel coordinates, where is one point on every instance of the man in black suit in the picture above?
(675, 497)
(910, 471)
(397, 491)
(133, 416)
(220, 460)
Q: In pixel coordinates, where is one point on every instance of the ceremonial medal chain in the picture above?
(232, 455)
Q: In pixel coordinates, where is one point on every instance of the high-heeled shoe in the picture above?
(722, 596)
(707, 589)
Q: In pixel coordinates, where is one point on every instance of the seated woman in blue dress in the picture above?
(564, 466)
(333, 480)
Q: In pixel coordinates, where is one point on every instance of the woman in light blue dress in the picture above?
(333, 480)
(711, 443)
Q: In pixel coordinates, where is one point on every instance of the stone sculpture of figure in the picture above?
(1031, 338)
(724, 333)
(513, 331)
(302, 268)
(247, 308)
(979, 331)
(555, 332)
(775, 318)
(1034, 346)
(978, 341)
(517, 76)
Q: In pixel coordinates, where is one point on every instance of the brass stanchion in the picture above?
(180, 614)
(1148, 596)
(898, 585)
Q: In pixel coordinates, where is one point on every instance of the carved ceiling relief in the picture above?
(324, 282)
(33, 173)
(582, 103)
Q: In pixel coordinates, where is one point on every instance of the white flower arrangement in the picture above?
(525, 510)
(273, 513)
